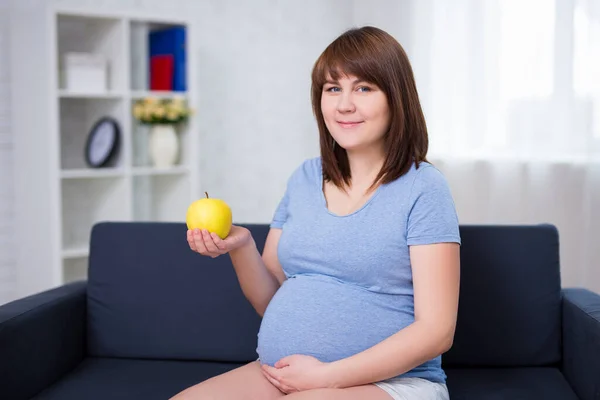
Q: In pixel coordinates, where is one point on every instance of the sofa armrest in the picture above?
(581, 341)
(41, 338)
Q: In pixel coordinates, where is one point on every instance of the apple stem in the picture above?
(206, 193)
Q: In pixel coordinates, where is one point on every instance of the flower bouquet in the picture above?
(162, 115)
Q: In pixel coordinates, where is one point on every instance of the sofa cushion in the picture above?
(510, 297)
(150, 296)
(127, 379)
(508, 383)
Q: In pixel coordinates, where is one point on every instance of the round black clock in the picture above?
(102, 143)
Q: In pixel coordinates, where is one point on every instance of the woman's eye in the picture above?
(360, 89)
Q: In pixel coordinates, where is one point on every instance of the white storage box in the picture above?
(85, 73)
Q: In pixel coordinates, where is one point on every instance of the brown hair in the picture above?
(374, 56)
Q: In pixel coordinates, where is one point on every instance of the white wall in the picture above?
(7, 253)
(393, 16)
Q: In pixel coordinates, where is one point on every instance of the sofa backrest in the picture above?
(509, 305)
(150, 296)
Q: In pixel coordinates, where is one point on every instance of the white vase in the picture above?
(163, 146)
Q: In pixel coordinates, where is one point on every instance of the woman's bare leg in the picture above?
(246, 382)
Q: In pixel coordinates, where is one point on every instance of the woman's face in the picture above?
(356, 113)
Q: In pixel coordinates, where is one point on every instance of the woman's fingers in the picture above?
(190, 239)
(206, 243)
(275, 383)
(209, 243)
(199, 241)
(220, 243)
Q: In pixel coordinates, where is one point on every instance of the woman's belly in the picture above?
(323, 317)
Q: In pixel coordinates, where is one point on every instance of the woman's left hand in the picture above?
(297, 373)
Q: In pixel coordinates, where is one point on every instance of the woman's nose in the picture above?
(345, 103)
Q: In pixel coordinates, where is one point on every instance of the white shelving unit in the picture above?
(59, 198)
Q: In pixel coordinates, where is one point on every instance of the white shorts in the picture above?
(414, 389)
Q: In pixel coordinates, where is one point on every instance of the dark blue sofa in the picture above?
(154, 318)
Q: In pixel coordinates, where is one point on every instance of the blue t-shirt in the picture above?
(349, 280)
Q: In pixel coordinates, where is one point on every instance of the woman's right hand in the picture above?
(211, 245)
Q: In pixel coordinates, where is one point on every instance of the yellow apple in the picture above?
(213, 215)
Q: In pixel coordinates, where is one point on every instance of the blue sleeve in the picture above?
(281, 212)
(432, 217)
(299, 176)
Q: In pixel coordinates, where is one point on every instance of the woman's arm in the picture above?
(259, 276)
(436, 280)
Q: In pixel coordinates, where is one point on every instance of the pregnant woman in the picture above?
(359, 278)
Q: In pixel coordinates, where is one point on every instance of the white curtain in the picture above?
(511, 92)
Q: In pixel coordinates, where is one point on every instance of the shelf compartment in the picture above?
(77, 117)
(139, 57)
(161, 197)
(96, 35)
(141, 144)
(88, 201)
